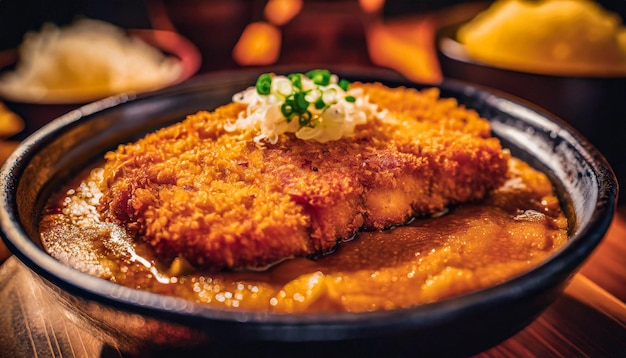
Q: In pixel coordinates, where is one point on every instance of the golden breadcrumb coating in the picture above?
(219, 199)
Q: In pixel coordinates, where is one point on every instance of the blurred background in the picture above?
(400, 35)
(323, 31)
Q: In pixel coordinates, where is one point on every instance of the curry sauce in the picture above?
(464, 249)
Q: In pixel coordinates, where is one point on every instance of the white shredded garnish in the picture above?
(325, 112)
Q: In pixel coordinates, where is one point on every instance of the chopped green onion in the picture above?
(287, 110)
(305, 119)
(305, 97)
(319, 104)
(319, 77)
(264, 84)
(296, 79)
(344, 84)
(282, 86)
(300, 102)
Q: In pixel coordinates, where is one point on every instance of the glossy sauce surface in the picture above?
(465, 249)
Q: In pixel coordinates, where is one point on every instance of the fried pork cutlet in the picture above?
(221, 200)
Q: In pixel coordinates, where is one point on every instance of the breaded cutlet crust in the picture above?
(220, 200)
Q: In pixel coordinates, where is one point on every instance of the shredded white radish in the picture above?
(335, 116)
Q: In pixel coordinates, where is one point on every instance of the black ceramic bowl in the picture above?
(593, 105)
(144, 322)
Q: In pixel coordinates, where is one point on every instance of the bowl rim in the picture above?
(564, 262)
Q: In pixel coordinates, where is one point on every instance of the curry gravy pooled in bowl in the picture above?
(310, 194)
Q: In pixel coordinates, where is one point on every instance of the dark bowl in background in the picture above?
(595, 106)
(144, 323)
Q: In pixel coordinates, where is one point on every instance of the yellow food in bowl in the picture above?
(561, 37)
